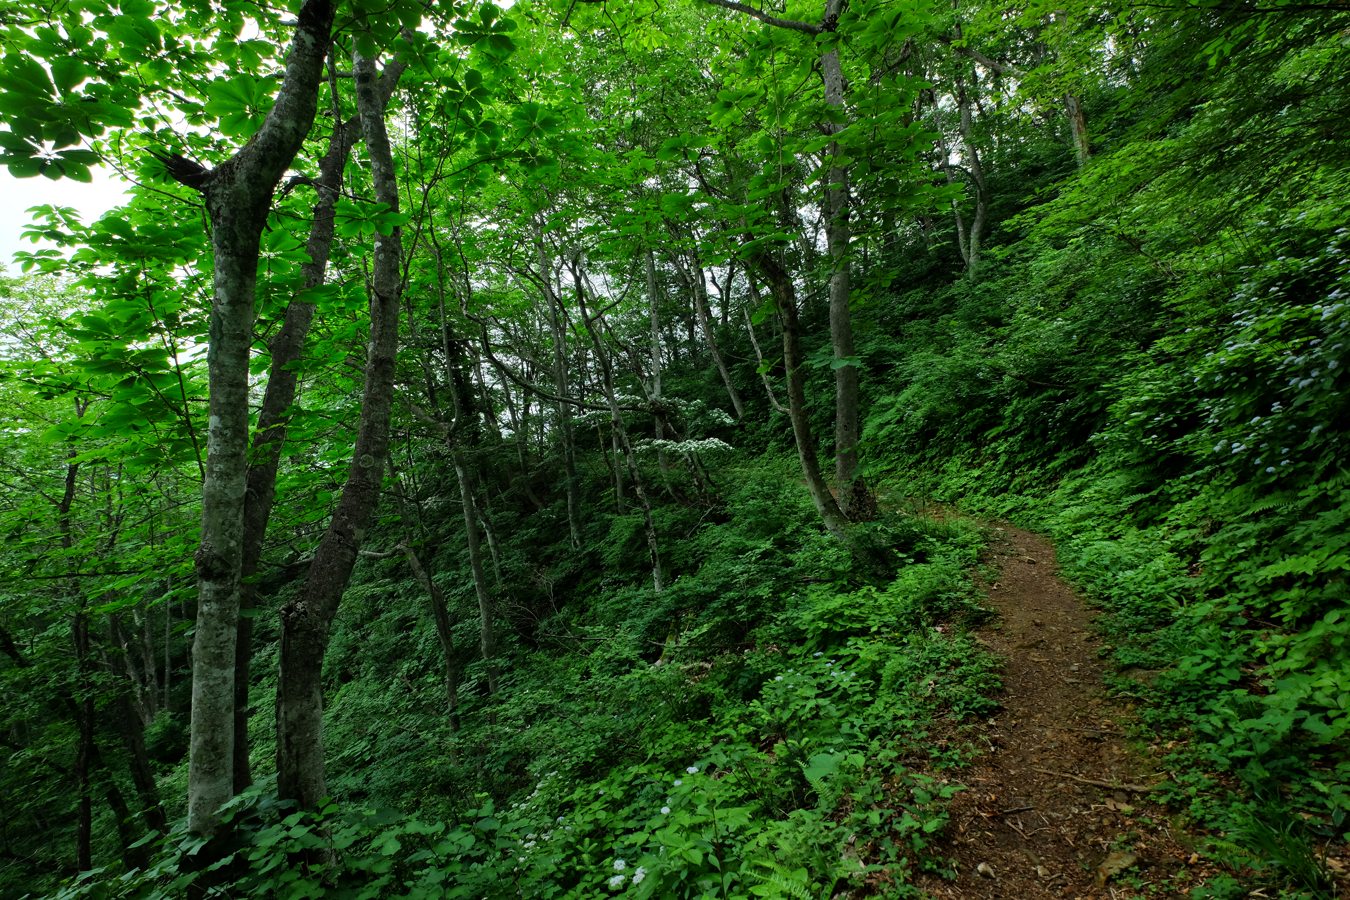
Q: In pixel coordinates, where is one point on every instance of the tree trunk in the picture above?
(693, 276)
(785, 297)
(754, 342)
(620, 434)
(561, 386)
(856, 500)
(1073, 108)
(445, 635)
(654, 317)
(958, 220)
(133, 857)
(84, 724)
(142, 775)
(440, 609)
(487, 631)
(977, 222)
(285, 350)
(306, 621)
(467, 433)
(238, 196)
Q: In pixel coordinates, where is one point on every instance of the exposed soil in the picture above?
(1058, 802)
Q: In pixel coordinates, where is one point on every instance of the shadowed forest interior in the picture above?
(563, 450)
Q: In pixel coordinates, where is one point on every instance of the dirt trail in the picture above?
(1057, 803)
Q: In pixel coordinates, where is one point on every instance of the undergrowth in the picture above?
(778, 750)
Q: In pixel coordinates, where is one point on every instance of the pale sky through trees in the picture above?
(20, 194)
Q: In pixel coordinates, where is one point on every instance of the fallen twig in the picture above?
(1134, 788)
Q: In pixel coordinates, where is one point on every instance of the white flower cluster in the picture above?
(618, 879)
(691, 447)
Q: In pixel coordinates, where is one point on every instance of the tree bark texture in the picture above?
(306, 621)
(854, 497)
(977, 223)
(785, 297)
(238, 196)
(282, 379)
(1073, 108)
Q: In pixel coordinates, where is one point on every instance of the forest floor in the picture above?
(1058, 801)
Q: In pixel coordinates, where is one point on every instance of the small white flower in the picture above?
(692, 770)
(679, 781)
(818, 654)
(617, 882)
(638, 874)
(665, 811)
(620, 865)
(778, 678)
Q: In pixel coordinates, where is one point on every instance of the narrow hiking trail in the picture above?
(1058, 802)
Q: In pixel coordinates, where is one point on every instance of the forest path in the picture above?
(1058, 802)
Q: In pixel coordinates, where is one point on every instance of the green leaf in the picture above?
(24, 76)
(68, 72)
(23, 167)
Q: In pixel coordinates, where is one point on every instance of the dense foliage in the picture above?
(610, 630)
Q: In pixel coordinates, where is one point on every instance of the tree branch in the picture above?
(790, 24)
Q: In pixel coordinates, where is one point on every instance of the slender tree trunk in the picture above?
(436, 601)
(624, 448)
(149, 664)
(142, 775)
(654, 316)
(168, 656)
(238, 197)
(759, 354)
(561, 385)
(855, 499)
(698, 288)
(84, 723)
(140, 681)
(785, 297)
(467, 434)
(133, 857)
(957, 218)
(489, 530)
(306, 621)
(81, 706)
(977, 222)
(617, 450)
(1073, 108)
(487, 631)
(445, 633)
